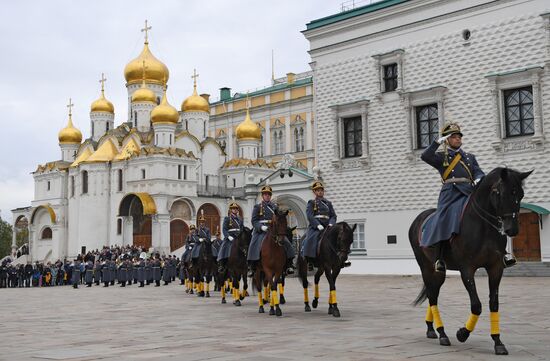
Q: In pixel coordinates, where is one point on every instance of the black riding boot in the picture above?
(440, 265)
(509, 260)
(221, 266)
(290, 266)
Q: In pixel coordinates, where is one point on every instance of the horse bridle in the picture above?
(490, 218)
(331, 247)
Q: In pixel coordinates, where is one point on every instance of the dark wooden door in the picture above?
(527, 243)
(143, 238)
(178, 233)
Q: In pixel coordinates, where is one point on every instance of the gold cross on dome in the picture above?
(102, 81)
(194, 77)
(145, 30)
(70, 106)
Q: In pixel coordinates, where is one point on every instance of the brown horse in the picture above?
(272, 261)
(334, 248)
(490, 215)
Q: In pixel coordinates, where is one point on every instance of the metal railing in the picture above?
(219, 191)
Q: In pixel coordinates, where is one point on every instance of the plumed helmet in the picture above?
(192, 226)
(266, 189)
(451, 128)
(317, 185)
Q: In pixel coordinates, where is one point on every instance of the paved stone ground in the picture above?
(165, 323)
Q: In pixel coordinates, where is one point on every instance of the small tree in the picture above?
(5, 238)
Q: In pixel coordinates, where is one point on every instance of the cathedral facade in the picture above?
(144, 181)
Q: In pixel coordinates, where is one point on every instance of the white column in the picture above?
(127, 230)
(288, 138)
(267, 137)
(14, 240)
(336, 124)
(309, 133)
(161, 235)
(537, 106)
(229, 143)
(364, 133)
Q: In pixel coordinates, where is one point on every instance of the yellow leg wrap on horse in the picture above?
(333, 297)
(437, 319)
(471, 323)
(275, 298)
(429, 316)
(223, 292)
(317, 290)
(306, 295)
(235, 294)
(266, 293)
(495, 323)
(260, 299)
(281, 289)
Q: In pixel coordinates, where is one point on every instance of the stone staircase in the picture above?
(524, 269)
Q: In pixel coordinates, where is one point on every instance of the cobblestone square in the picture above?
(164, 323)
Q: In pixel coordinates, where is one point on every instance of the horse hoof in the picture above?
(282, 300)
(330, 310)
(190, 292)
(223, 300)
(186, 291)
(462, 334)
(272, 311)
(307, 308)
(315, 302)
(237, 303)
(278, 312)
(431, 334)
(261, 310)
(335, 312)
(501, 350)
(444, 341)
(207, 294)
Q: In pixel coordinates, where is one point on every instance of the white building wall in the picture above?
(393, 186)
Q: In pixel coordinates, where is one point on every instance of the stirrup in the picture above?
(347, 263)
(509, 260)
(440, 265)
(290, 271)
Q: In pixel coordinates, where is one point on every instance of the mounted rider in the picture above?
(202, 235)
(232, 226)
(459, 172)
(320, 214)
(190, 241)
(262, 216)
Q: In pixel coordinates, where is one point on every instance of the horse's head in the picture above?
(279, 222)
(505, 187)
(243, 239)
(342, 234)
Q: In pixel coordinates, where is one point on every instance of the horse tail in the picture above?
(421, 296)
(302, 271)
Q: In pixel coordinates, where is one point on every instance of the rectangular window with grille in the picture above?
(359, 238)
(390, 77)
(352, 137)
(518, 111)
(427, 125)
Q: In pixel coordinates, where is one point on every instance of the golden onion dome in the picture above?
(144, 94)
(195, 103)
(70, 134)
(102, 105)
(155, 70)
(248, 130)
(164, 112)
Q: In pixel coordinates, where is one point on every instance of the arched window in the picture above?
(85, 182)
(298, 139)
(46, 233)
(278, 142)
(119, 180)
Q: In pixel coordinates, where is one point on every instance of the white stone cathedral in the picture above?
(146, 180)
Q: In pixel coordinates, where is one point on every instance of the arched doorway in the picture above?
(181, 209)
(139, 206)
(212, 216)
(178, 232)
(296, 215)
(22, 233)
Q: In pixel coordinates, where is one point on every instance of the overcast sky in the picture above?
(53, 50)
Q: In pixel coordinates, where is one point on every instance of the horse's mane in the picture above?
(496, 174)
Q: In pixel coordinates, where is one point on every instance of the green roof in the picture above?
(271, 89)
(314, 24)
(537, 209)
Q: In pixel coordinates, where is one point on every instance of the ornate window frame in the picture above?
(513, 79)
(339, 112)
(416, 98)
(394, 56)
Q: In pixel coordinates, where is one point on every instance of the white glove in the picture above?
(443, 139)
(264, 228)
(330, 225)
(320, 227)
(230, 238)
(477, 181)
(201, 239)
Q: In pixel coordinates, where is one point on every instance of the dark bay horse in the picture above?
(334, 248)
(237, 266)
(272, 261)
(205, 268)
(490, 215)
